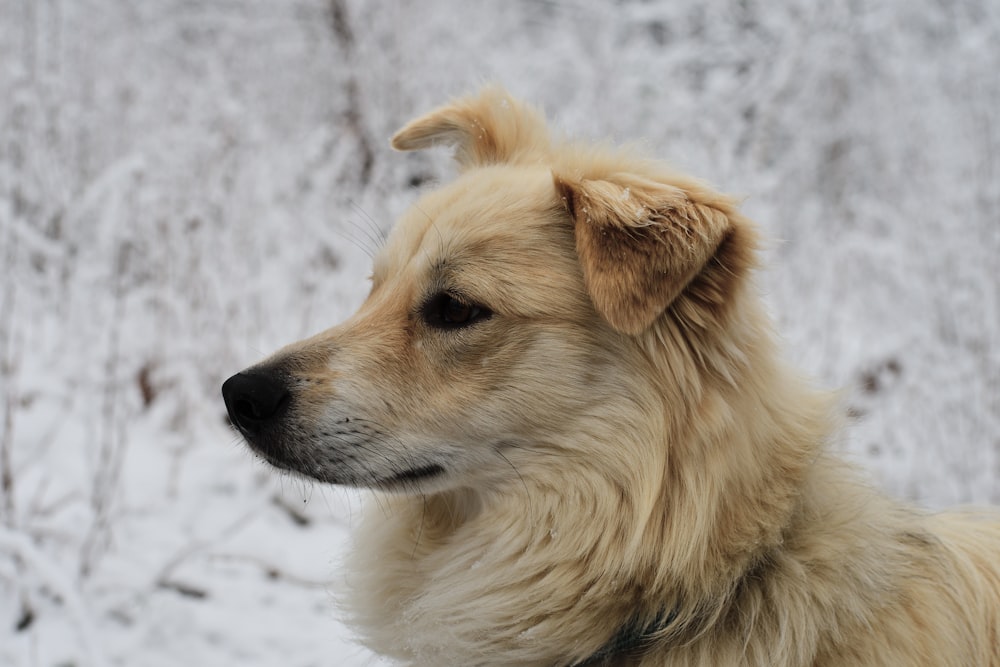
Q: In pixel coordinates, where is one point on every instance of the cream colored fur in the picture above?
(618, 441)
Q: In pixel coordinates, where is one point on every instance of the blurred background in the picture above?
(186, 185)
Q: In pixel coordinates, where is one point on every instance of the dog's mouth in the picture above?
(417, 474)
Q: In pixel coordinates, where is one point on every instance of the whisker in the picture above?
(433, 225)
(420, 528)
(379, 233)
(527, 494)
(534, 451)
(373, 241)
(359, 243)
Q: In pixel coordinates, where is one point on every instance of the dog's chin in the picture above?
(418, 478)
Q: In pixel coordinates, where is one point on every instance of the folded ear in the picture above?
(488, 128)
(642, 242)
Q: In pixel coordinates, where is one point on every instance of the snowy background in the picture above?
(186, 185)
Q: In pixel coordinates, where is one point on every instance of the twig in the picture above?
(340, 24)
(273, 571)
(51, 574)
(108, 463)
(165, 578)
(8, 372)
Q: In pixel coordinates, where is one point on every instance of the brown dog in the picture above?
(566, 389)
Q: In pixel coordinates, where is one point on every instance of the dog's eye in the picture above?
(445, 311)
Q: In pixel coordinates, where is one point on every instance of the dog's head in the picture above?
(513, 312)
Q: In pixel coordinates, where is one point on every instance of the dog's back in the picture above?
(947, 611)
(971, 539)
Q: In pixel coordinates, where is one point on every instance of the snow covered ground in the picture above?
(186, 185)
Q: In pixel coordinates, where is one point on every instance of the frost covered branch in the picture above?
(53, 576)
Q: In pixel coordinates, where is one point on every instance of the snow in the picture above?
(187, 185)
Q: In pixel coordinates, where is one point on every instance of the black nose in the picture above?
(254, 398)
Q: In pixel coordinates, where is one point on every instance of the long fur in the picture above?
(621, 441)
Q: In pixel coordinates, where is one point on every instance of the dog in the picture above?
(585, 446)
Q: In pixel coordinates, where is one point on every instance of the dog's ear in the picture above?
(641, 242)
(488, 128)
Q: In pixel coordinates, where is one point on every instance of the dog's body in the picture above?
(565, 379)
